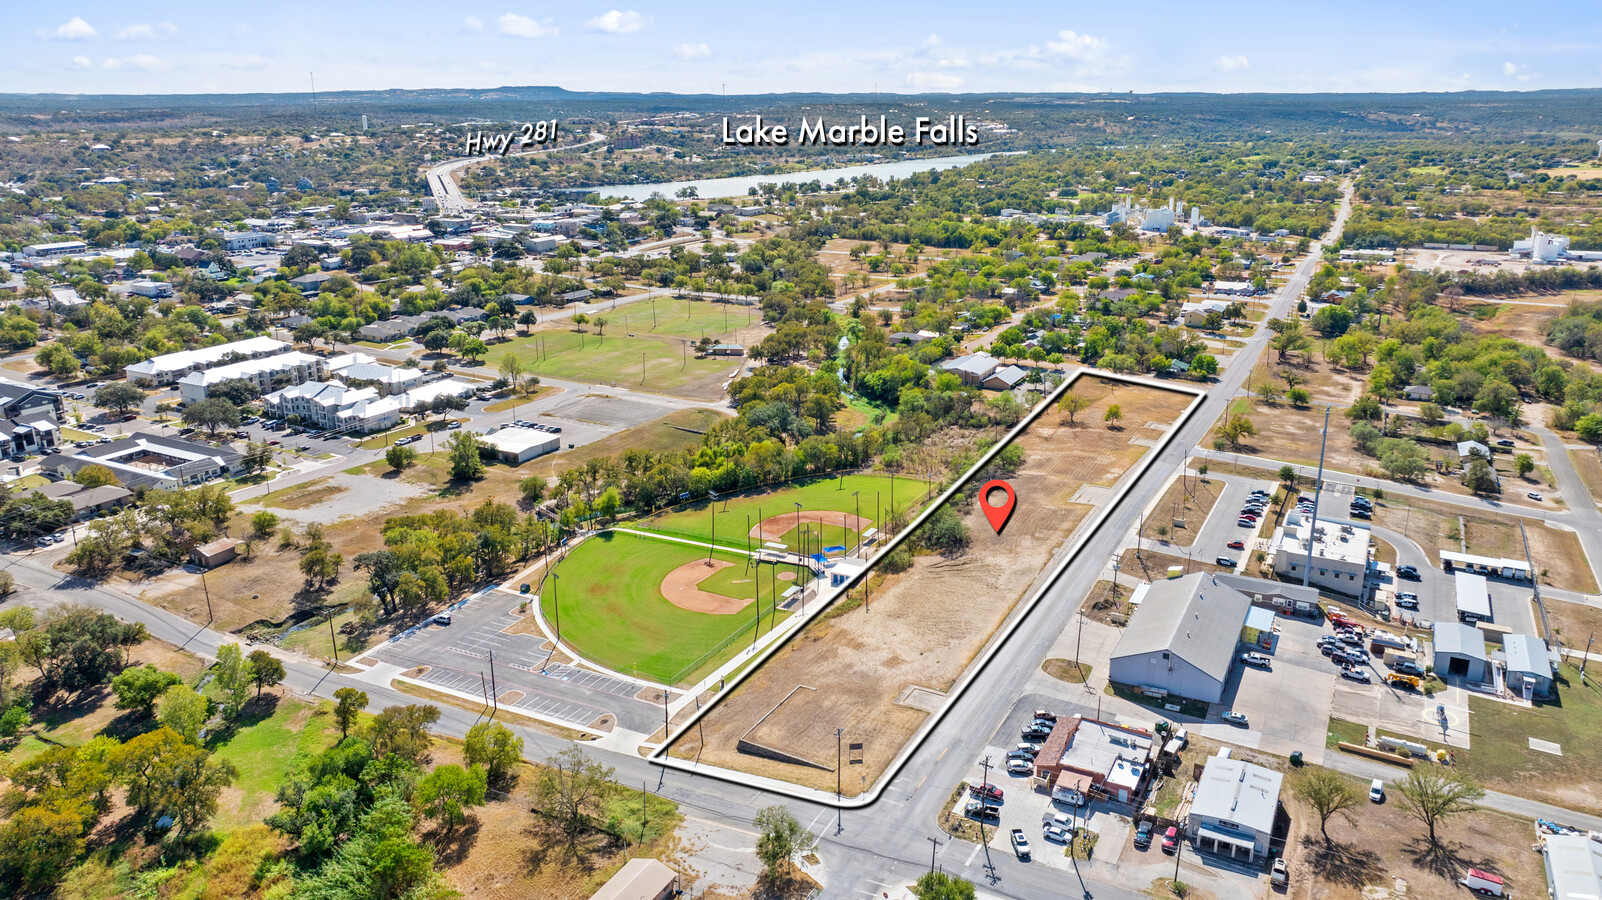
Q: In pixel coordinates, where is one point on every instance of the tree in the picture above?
(232, 676)
(466, 464)
(1524, 464)
(1328, 794)
(1480, 478)
(511, 368)
(400, 457)
(139, 687)
(446, 794)
(532, 488)
(95, 475)
(1113, 416)
(38, 845)
(183, 711)
(1431, 412)
(1366, 409)
(494, 747)
(212, 414)
(571, 788)
(263, 524)
(237, 391)
(1433, 796)
(58, 359)
(119, 397)
(1204, 366)
(941, 886)
(1287, 476)
(780, 838)
(1299, 397)
(1072, 404)
(1403, 458)
(403, 731)
(265, 670)
(1236, 430)
(348, 704)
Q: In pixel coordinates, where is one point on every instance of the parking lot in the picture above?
(1287, 705)
(1215, 535)
(458, 658)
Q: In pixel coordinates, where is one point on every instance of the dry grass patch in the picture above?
(1188, 499)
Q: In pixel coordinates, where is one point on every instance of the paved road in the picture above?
(448, 194)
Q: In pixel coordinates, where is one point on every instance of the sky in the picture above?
(179, 46)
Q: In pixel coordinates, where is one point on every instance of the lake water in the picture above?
(708, 188)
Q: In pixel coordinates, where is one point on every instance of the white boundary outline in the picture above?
(1000, 639)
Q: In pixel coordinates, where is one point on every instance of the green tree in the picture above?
(1072, 405)
(95, 475)
(608, 504)
(59, 360)
(1287, 476)
(265, 670)
(183, 711)
(1113, 416)
(1366, 409)
(446, 794)
(212, 414)
(780, 839)
(119, 397)
(1433, 796)
(1236, 430)
(571, 789)
(403, 731)
(1327, 793)
(941, 886)
(400, 457)
(532, 488)
(263, 524)
(348, 704)
(463, 451)
(138, 687)
(1480, 477)
(494, 747)
(233, 677)
(512, 368)
(38, 845)
(1524, 464)
(1299, 397)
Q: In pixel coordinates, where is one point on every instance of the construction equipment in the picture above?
(1397, 679)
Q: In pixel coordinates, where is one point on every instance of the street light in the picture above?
(556, 606)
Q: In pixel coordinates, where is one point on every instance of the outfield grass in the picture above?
(834, 535)
(612, 610)
(695, 520)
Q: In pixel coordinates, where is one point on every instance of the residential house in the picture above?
(292, 367)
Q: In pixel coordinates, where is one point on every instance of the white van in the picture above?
(1376, 791)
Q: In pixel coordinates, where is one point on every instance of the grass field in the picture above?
(678, 430)
(612, 610)
(1502, 757)
(833, 535)
(695, 521)
(631, 352)
(266, 750)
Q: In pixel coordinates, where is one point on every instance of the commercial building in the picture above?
(1529, 666)
(332, 405)
(1573, 867)
(155, 290)
(149, 460)
(1182, 638)
(58, 248)
(518, 445)
(169, 367)
(1006, 379)
(1473, 598)
(1340, 560)
(361, 370)
(1460, 651)
(235, 241)
(87, 502)
(972, 369)
(1490, 566)
(1235, 807)
(1086, 759)
(266, 374)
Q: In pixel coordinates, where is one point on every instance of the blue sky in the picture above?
(179, 46)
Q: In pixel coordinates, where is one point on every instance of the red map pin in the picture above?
(998, 515)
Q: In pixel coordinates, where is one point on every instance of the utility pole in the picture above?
(858, 495)
(1179, 850)
(1312, 529)
(556, 606)
(839, 821)
(984, 807)
(934, 845)
(712, 511)
(333, 641)
(495, 693)
(1586, 658)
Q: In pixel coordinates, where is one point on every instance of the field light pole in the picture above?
(858, 496)
(800, 537)
(839, 821)
(556, 606)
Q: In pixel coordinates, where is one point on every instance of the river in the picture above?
(740, 186)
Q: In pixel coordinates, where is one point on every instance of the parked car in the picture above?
(1504, 442)
(1376, 791)
(442, 619)
(1237, 545)
(1280, 874)
(1143, 835)
(1256, 659)
(1020, 844)
(1058, 833)
(1407, 602)
(1225, 561)
(1171, 839)
(1235, 718)
(1245, 523)
(1020, 767)
(1020, 754)
(1356, 674)
(1361, 514)
(987, 791)
(1035, 734)
(1533, 495)
(1408, 572)
(1046, 714)
(982, 811)
(454, 425)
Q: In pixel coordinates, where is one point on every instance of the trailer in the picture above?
(1483, 883)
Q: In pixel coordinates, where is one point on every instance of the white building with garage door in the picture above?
(1235, 807)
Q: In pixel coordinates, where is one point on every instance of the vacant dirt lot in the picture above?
(1189, 499)
(1436, 525)
(924, 626)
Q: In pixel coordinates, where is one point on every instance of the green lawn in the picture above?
(1502, 758)
(1341, 730)
(695, 520)
(266, 751)
(612, 610)
(654, 359)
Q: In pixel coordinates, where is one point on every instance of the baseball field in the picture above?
(829, 511)
(655, 608)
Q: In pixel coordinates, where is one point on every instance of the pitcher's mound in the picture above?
(679, 587)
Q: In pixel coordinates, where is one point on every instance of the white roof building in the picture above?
(1235, 806)
(1340, 552)
(518, 445)
(1573, 867)
(296, 366)
(170, 367)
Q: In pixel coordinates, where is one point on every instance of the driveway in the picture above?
(1288, 705)
(1215, 534)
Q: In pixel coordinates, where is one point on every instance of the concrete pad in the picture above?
(1546, 746)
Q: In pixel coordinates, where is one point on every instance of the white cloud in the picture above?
(930, 42)
(474, 23)
(1076, 46)
(1232, 64)
(245, 61)
(146, 32)
(242, 29)
(142, 61)
(524, 27)
(75, 30)
(933, 80)
(692, 51)
(618, 22)
(81, 62)
(1517, 71)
